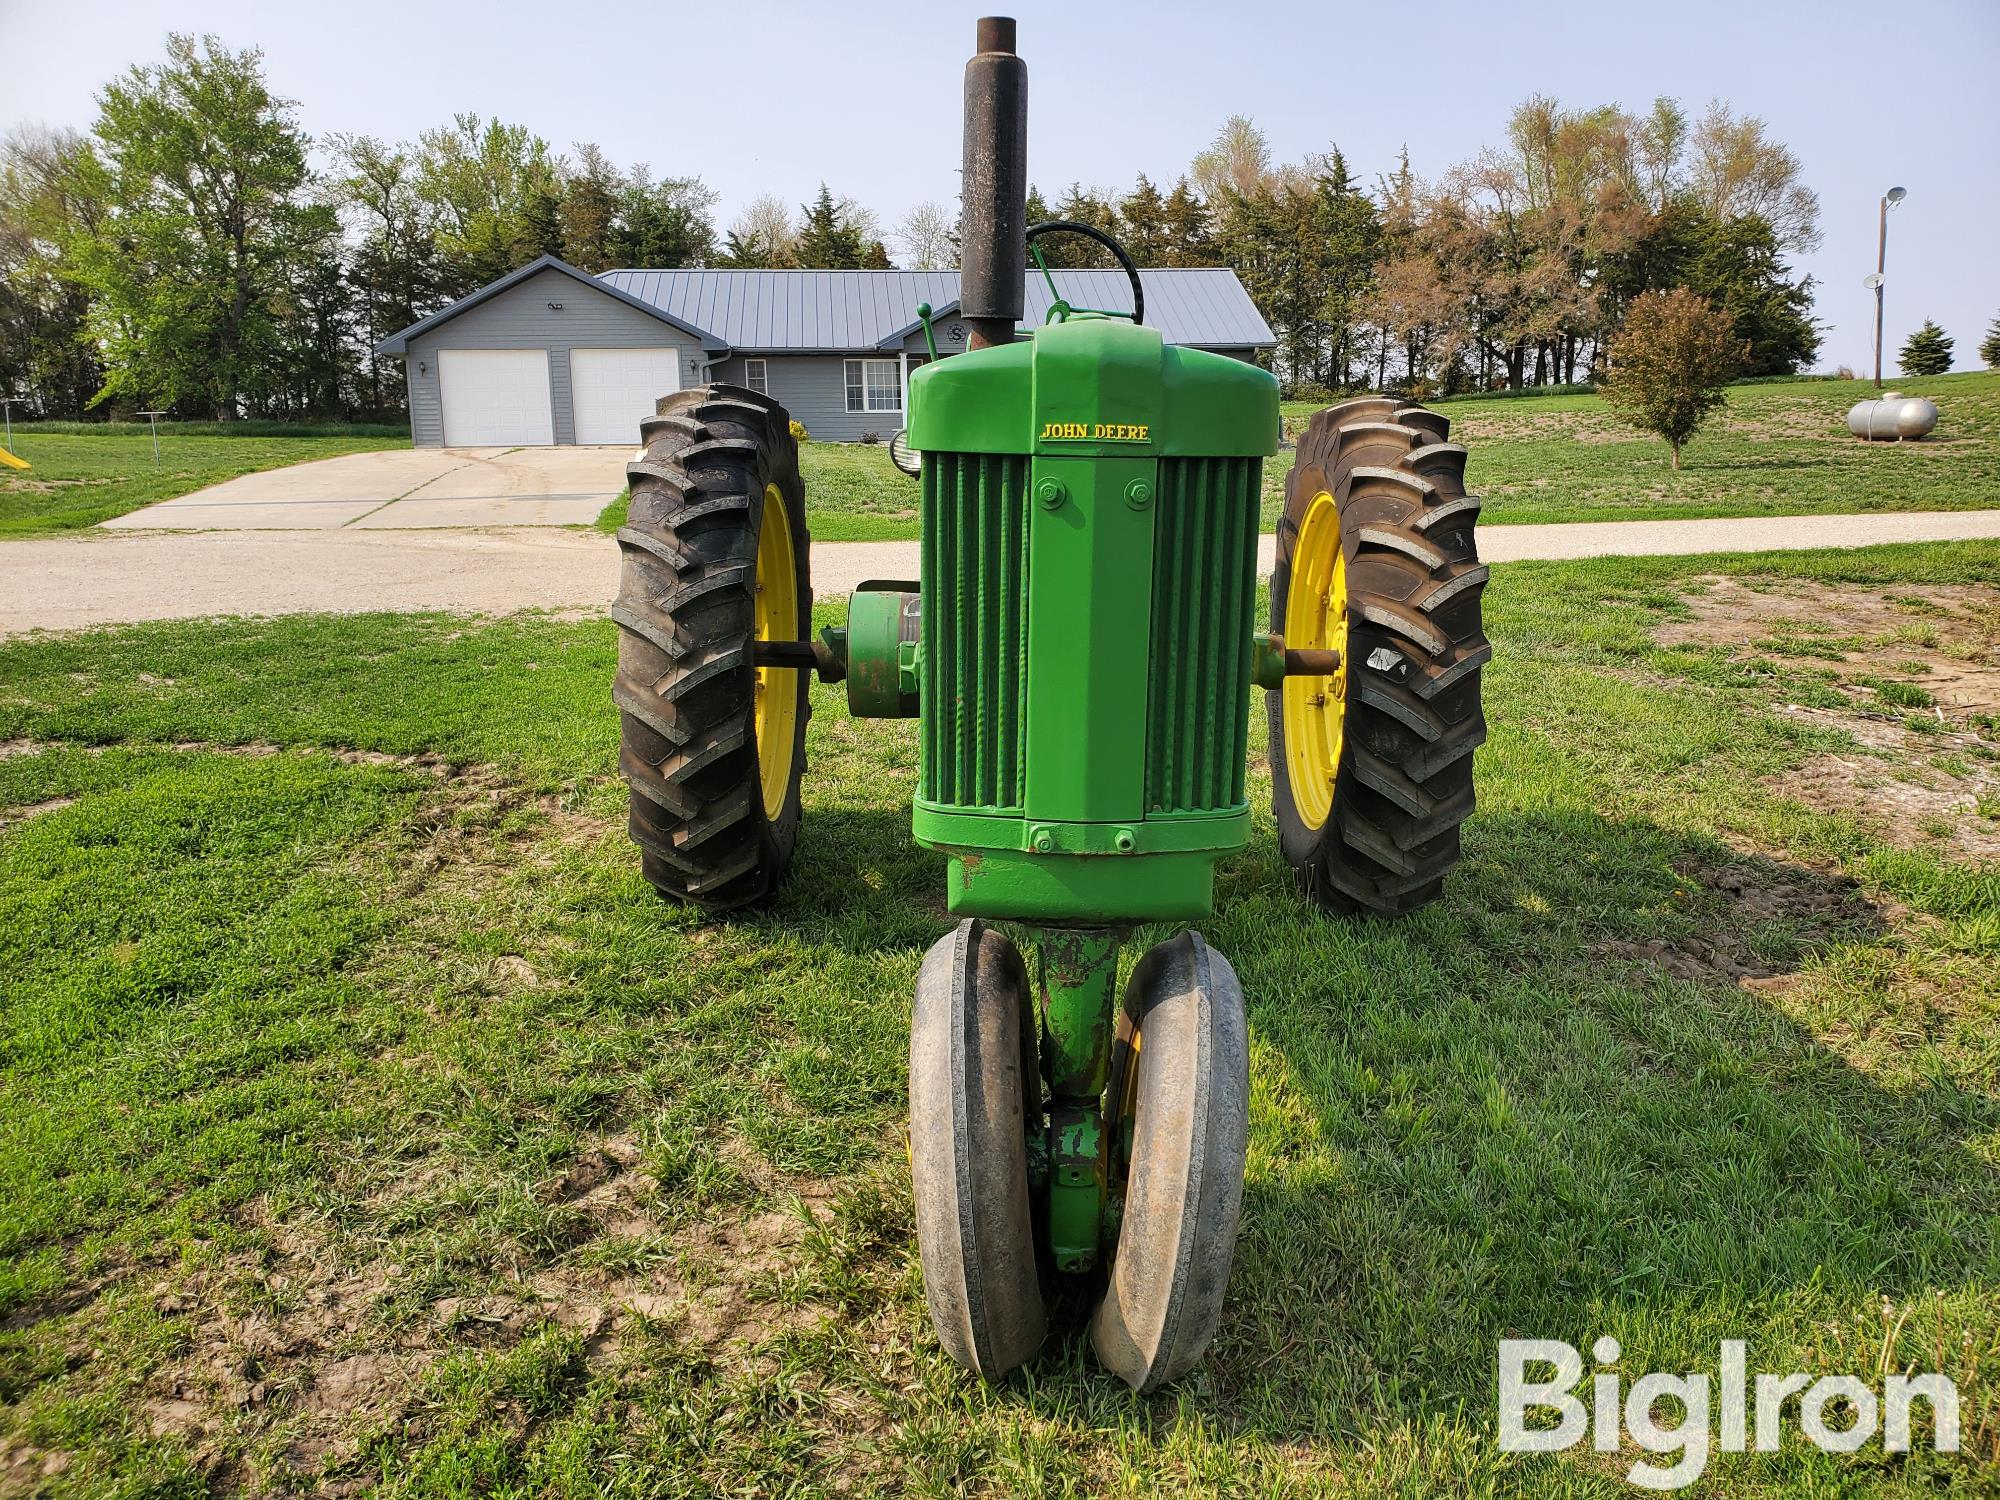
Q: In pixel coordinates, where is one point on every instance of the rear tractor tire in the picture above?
(1371, 767)
(713, 560)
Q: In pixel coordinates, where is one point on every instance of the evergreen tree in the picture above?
(590, 198)
(1927, 353)
(1142, 223)
(1189, 228)
(826, 238)
(1989, 347)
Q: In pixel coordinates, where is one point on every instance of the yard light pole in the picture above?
(1890, 199)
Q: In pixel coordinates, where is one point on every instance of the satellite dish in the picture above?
(1897, 195)
(1873, 280)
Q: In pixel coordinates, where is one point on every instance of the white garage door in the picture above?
(496, 398)
(613, 390)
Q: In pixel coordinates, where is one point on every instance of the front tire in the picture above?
(974, 1099)
(1178, 1134)
(1371, 767)
(713, 559)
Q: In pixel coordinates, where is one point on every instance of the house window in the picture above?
(874, 385)
(754, 377)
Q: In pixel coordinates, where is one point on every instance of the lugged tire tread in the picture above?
(685, 612)
(1416, 647)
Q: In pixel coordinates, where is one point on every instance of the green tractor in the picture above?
(1080, 652)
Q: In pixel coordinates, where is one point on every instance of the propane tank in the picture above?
(1893, 418)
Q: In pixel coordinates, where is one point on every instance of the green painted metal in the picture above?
(1089, 558)
(1204, 602)
(1083, 671)
(973, 666)
(1210, 406)
(1033, 888)
(1267, 660)
(1079, 984)
(882, 627)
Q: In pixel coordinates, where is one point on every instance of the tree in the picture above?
(1927, 353)
(928, 237)
(45, 354)
(1237, 161)
(393, 265)
(1189, 228)
(762, 236)
(492, 190)
(591, 192)
(664, 224)
(1669, 363)
(1989, 347)
(1737, 169)
(838, 235)
(194, 259)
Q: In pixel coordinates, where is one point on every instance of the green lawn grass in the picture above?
(1777, 449)
(366, 1120)
(80, 477)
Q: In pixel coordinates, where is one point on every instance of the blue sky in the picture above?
(759, 97)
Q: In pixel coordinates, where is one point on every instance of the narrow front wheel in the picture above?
(975, 1096)
(1178, 1111)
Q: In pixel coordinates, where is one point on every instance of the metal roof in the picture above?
(398, 343)
(778, 311)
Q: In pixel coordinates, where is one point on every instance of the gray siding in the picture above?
(813, 388)
(521, 318)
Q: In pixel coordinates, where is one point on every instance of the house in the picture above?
(552, 354)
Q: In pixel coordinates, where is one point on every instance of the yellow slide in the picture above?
(12, 462)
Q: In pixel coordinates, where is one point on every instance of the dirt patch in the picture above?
(1911, 674)
(1760, 918)
(33, 810)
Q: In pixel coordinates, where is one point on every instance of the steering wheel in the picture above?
(1089, 232)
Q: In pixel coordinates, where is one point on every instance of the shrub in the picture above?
(1669, 363)
(871, 437)
(799, 431)
(1313, 391)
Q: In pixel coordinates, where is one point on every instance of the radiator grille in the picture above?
(975, 658)
(1204, 596)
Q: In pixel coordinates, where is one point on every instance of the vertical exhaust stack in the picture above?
(994, 222)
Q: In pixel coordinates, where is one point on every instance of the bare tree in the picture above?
(1737, 169)
(927, 239)
(1238, 160)
(767, 222)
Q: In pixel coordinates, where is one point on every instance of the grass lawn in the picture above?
(1780, 449)
(80, 478)
(1775, 450)
(367, 1121)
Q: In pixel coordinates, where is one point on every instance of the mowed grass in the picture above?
(367, 1122)
(79, 479)
(1776, 450)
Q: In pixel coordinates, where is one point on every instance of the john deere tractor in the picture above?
(1080, 652)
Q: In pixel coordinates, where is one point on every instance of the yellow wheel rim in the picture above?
(1315, 619)
(776, 715)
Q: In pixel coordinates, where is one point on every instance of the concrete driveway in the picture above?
(402, 488)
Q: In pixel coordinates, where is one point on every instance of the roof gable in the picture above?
(399, 343)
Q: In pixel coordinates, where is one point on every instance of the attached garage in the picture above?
(549, 354)
(496, 398)
(612, 390)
